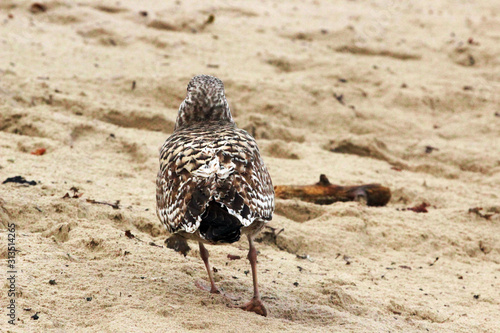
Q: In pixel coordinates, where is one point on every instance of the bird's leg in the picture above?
(255, 304)
(252, 257)
(212, 288)
(204, 255)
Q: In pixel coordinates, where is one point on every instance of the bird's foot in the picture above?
(214, 290)
(203, 286)
(255, 305)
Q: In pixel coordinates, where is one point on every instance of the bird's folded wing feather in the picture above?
(224, 166)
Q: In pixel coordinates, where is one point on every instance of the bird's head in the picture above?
(205, 102)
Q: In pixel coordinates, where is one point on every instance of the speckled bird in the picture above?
(213, 186)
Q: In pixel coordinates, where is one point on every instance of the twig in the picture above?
(115, 205)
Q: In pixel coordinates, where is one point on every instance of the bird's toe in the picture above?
(255, 305)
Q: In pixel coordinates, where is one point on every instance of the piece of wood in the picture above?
(324, 193)
(115, 205)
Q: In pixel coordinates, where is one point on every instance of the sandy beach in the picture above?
(401, 94)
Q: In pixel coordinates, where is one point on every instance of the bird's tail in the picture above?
(218, 225)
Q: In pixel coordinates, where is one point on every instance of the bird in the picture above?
(212, 185)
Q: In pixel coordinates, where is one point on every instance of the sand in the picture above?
(405, 95)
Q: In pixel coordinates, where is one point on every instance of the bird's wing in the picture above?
(224, 166)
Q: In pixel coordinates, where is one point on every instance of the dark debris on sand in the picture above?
(19, 180)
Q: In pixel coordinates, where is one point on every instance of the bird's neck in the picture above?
(203, 113)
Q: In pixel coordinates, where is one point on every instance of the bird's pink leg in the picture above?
(255, 304)
(212, 288)
(204, 255)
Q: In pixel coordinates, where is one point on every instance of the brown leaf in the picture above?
(422, 208)
(75, 195)
(39, 151)
(476, 210)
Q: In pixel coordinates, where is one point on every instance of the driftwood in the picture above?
(324, 193)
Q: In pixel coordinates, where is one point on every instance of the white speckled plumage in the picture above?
(208, 158)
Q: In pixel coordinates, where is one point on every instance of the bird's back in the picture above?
(212, 182)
